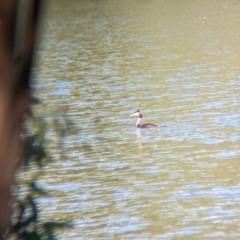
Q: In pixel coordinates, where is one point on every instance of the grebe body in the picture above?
(138, 125)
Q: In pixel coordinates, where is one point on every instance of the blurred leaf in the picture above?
(51, 225)
(17, 226)
(50, 234)
(34, 100)
(41, 134)
(29, 149)
(26, 222)
(34, 207)
(33, 149)
(40, 154)
(29, 112)
(27, 235)
(35, 186)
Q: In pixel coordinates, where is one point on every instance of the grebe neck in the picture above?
(138, 121)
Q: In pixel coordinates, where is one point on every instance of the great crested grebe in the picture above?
(138, 125)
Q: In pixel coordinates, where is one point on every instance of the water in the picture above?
(100, 61)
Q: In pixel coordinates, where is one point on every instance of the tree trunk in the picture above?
(14, 95)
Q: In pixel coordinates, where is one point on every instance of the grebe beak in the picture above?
(133, 115)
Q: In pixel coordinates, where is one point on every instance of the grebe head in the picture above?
(137, 114)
